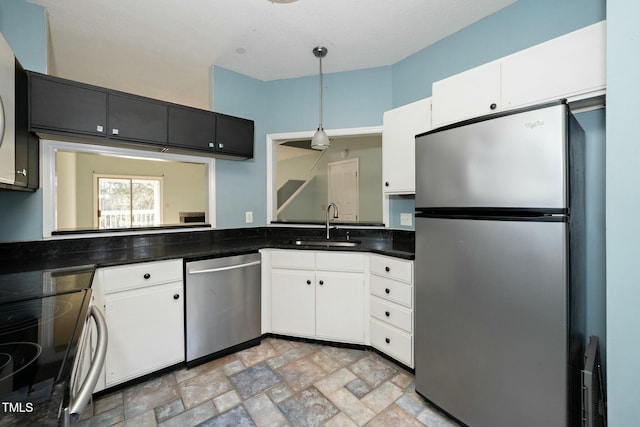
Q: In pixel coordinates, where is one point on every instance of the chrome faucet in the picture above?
(335, 215)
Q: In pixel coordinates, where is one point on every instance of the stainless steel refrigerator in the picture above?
(500, 259)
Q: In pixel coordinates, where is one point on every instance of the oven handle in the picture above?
(79, 403)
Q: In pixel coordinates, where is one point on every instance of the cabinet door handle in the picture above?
(212, 145)
(115, 131)
(321, 282)
(22, 172)
(387, 291)
(146, 275)
(493, 106)
(387, 340)
(176, 296)
(308, 282)
(386, 184)
(387, 269)
(386, 313)
(99, 128)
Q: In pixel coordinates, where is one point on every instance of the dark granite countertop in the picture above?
(117, 250)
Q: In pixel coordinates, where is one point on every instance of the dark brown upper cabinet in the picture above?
(191, 128)
(234, 136)
(210, 132)
(138, 119)
(64, 106)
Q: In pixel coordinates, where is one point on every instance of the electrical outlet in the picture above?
(248, 217)
(406, 219)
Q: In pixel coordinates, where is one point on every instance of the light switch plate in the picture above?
(406, 219)
(248, 217)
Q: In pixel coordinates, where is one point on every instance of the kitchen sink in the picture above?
(326, 243)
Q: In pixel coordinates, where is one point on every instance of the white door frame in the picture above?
(339, 162)
(274, 139)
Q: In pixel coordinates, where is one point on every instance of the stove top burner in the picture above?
(22, 315)
(17, 356)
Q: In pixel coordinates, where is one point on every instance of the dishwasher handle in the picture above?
(230, 267)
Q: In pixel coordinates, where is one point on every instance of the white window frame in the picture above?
(275, 139)
(48, 150)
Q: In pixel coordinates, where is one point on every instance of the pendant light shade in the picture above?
(320, 139)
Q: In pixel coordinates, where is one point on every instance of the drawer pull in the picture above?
(387, 269)
(146, 275)
(386, 313)
(387, 340)
(387, 291)
(176, 296)
(308, 282)
(321, 282)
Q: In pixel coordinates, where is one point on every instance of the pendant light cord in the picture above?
(320, 125)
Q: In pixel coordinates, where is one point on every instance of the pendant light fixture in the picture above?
(320, 139)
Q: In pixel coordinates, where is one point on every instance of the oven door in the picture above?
(88, 365)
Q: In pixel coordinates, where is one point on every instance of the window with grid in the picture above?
(128, 201)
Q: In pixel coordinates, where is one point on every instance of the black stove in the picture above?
(42, 314)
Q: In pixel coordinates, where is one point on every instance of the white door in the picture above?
(472, 93)
(154, 340)
(293, 302)
(340, 306)
(343, 188)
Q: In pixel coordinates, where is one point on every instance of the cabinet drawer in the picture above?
(293, 259)
(391, 341)
(392, 267)
(392, 290)
(141, 274)
(390, 313)
(339, 261)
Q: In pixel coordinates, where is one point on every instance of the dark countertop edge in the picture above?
(241, 250)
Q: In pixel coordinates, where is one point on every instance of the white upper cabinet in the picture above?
(571, 66)
(472, 93)
(566, 67)
(400, 126)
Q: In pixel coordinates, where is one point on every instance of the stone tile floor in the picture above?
(278, 383)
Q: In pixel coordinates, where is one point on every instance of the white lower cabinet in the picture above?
(341, 296)
(340, 306)
(293, 308)
(391, 307)
(144, 310)
(318, 295)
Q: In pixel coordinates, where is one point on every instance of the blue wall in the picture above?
(623, 204)
(351, 99)
(240, 185)
(593, 123)
(23, 25)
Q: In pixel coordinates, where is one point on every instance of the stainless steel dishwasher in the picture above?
(222, 305)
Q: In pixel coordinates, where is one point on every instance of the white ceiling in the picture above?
(133, 43)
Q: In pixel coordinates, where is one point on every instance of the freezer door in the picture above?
(513, 161)
(491, 320)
